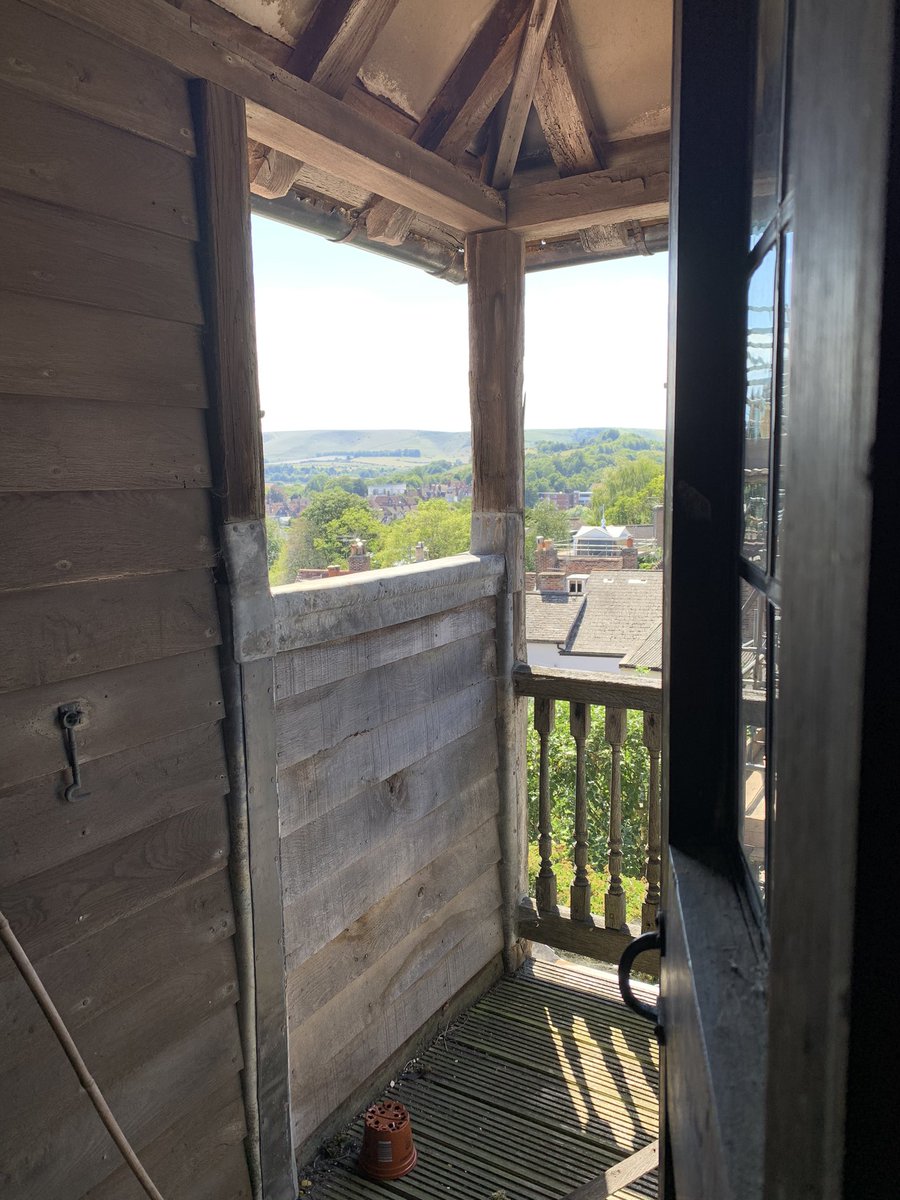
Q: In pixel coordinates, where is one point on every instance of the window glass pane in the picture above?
(784, 385)
(767, 118)
(752, 819)
(758, 409)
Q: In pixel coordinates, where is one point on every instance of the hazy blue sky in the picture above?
(351, 340)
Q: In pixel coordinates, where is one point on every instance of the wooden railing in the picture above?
(542, 918)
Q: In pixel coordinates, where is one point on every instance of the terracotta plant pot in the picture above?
(387, 1150)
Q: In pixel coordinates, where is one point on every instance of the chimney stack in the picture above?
(359, 559)
(545, 556)
(421, 552)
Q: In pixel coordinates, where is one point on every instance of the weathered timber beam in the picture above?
(590, 938)
(293, 116)
(558, 207)
(461, 107)
(624, 1173)
(334, 44)
(561, 102)
(588, 687)
(524, 84)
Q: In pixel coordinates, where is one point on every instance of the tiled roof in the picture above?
(621, 608)
(647, 651)
(549, 616)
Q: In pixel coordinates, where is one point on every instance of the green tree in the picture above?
(334, 518)
(274, 541)
(544, 519)
(443, 525)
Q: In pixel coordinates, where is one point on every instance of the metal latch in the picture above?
(647, 941)
(71, 717)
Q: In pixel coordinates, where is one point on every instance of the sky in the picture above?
(351, 340)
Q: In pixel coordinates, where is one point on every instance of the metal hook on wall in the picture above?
(71, 717)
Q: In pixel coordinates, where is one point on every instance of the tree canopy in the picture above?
(442, 525)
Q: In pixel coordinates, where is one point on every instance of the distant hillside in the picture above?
(300, 445)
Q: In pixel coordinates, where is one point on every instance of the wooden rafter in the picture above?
(561, 102)
(523, 88)
(335, 43)
(461, 107)
(291, 115)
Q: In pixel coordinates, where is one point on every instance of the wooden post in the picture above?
(545, 887)
(614, 908)
(495, 266)
(580, 891)
(653, 872)
(236, 453)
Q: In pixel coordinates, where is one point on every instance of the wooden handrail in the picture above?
(643, 693)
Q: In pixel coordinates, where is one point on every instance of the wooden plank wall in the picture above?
(388, 801)
(106, 598)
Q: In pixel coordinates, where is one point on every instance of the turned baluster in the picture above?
(650, 907)
(580, 891)
(614, 907)
(545, 887)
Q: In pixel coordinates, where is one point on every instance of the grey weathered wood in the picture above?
(561, 206)
(252, 616)
(72, 160)
(321, 719)
(320, 978)
(65, 66)
(96, 354)
(227, 278)
(117, 712)
(589, 937)
(495, 264)
(335, 42)
(342, 897)
(300, 671)
(561, 103)
(614, 904)
(331, 840)
(397, 1018)
(545, 884)
(327, 780)
(580, 890)
(57, 446)
(188, 1154)
(588, 687)
(326, 610)
(293, 116)
(38, 829)
(57, 908)
(50, 634)
(73, 1155)
(626, 1172)
(522, 91)
(67, 537)
(653, 870)
(65, 255)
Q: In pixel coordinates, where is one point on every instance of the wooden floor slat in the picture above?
(546, 1081)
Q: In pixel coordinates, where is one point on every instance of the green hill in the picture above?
(295, 446)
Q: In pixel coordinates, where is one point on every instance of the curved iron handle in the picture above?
(647, 941)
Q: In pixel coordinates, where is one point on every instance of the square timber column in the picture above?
(495, 268)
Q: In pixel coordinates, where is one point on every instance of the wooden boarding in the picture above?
(306, 614)
(73, 1156)
(102, 535)
(100, 973)
(302, 670)
(55, 633)
(65, 255)
(38, 828)
(318, 1087)
(321, 719)
(382, 813)
(97, 354)
(620, 1176)
(180, 1158)
(409, 906)
(564, 206)
(118, 714)
(55, 62)
(535, 1110)
(62, 157)
(331, 904)
(315, 785)
(53, 445)
(58, 907)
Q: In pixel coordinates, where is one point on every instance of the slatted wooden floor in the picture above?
(547, 1081)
